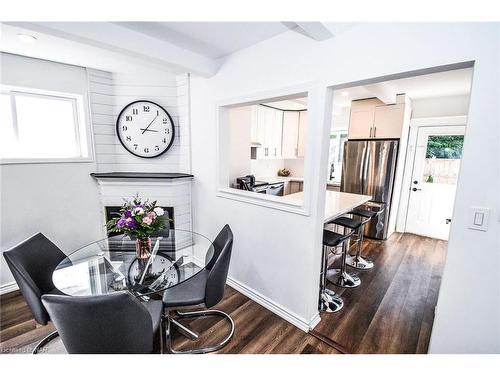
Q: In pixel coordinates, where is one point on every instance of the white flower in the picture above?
(158, 211)
(138, 211)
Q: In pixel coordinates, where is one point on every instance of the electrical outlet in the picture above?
(479, 218)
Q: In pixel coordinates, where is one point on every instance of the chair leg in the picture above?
(340, 276)
(357, 261)
(329, 301)
(45, 340)
(168, 320)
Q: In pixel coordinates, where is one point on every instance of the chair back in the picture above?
(109, 323)
(218, 267)
(32, 263)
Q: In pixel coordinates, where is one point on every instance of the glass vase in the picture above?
(143, 247)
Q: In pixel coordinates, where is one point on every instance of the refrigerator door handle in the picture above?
(364, 169)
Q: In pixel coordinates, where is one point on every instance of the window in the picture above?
(40, 126)
(337, 141)
(442, 159)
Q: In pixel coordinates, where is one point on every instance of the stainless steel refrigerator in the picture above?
(368, 168)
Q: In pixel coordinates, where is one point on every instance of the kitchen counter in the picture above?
(336, 203)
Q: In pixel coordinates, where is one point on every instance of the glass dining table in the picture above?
(111, 265)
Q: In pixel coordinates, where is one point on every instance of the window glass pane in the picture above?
(442, 159)
(337, 141)
(46, 127)
(8, 139)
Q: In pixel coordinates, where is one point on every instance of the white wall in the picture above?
(277, 254)
(61, 200)
(456, 105)
(266, 167)
(295, 166)
(240, 125)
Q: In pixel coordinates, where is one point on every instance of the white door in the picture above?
(434, 178)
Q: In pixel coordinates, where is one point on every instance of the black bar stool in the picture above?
(329, 300)
(340, 276)
(357, 261)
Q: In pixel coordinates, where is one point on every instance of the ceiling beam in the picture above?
(383, 92)
(118, 39)
(314, 30)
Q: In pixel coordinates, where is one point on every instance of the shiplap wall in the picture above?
(110, 92)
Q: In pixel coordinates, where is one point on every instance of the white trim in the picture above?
(439, 121)
(223, 190)
(82, 119)
(9, 287)
(274, 307)
(264, 200)
(453, 122)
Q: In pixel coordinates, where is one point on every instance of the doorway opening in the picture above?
(425, 114)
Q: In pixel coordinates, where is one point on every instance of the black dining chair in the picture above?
(206, 287)
(110, 323)
(32, 263)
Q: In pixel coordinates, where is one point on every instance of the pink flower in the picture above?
(147, 220)
(151, 215)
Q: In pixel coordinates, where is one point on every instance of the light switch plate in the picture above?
(479, 218)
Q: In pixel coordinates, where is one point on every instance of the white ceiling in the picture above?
(210, 39)
(449, 83)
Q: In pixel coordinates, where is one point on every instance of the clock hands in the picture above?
(144, 130)
(148, 130)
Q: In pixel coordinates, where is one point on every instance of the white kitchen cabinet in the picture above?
(290, 134)
(370, 118)
(361, 123)
(362, 118)
(267, 131)
(301, 141)
(388, 121)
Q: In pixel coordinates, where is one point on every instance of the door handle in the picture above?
(374, 131)
(415, 189)
(371, 129)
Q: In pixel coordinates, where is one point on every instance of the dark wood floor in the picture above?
(391, 312)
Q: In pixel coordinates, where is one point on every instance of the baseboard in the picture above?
(276, 308)
(9, 287)
(314, 321)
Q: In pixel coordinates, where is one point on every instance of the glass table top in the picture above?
(110, 265)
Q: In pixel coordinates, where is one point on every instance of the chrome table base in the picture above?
(45, 340)
(342, 278)
(168, 321)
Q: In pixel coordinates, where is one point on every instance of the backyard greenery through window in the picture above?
(442, 159)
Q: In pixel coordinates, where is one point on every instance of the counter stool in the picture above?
(357, 261)
(329, 300)
(340, 276)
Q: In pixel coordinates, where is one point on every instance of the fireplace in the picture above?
(172, 191)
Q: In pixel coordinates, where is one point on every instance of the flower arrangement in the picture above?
(140, 219)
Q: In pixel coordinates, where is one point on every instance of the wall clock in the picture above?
(145, 129)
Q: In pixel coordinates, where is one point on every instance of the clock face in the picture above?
(145, 129)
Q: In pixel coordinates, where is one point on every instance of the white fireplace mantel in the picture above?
(169, 189)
